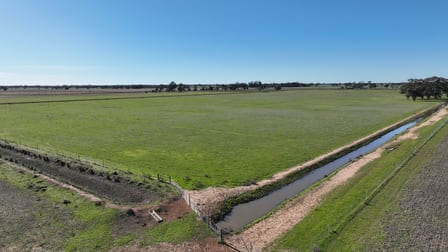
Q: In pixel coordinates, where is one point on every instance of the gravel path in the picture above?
(421, 224)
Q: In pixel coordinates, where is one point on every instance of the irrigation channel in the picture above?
(244, 213)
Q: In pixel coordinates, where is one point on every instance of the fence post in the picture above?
(195, 207)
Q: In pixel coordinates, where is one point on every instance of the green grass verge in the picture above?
(315, 229)
(185, 229)
(207, 140)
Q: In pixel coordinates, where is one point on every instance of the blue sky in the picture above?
(221, 41)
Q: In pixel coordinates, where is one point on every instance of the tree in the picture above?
(256, 84)
(429, 87)
(180, 87)
(171, 87)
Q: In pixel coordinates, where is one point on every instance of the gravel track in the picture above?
(422, 222)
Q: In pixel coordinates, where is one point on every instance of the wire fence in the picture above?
(46, 150)
(195, 207)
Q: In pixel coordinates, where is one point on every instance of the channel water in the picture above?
(244, 213)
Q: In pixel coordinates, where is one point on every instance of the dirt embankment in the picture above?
(112, 186)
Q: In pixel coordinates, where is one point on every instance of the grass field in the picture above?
(364, 233)
(207, 140)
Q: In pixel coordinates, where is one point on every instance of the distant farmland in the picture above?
(205, 141)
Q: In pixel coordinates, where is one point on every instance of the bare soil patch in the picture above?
(135, 219)
(173, 209)
(411, 134)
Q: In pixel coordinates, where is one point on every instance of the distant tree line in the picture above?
(238, 86)
(433, 87)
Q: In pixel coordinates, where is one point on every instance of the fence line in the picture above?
(60, 153)
(195, 207)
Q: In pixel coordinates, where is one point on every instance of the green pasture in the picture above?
(364, 232)
(207, 140)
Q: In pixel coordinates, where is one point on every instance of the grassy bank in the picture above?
(207, 140)
(321, 226)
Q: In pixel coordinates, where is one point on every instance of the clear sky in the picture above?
(221, 41)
